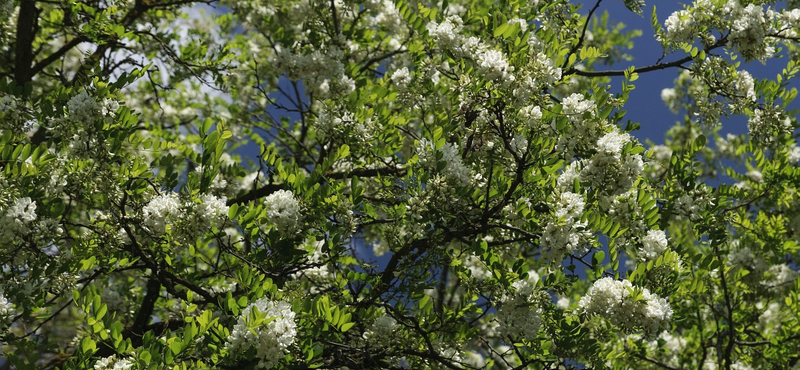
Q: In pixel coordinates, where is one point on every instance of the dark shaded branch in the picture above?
(650, 68)
(370, 172)
(583, 33)
(26, 25)
(256, 194)
(42, 64)
(146, 309)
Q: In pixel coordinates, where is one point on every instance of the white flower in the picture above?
(612, 300)
(519, 315)
(492, 63)
(112, 363)
(212, 209)
(569, 206)
(446, 33)
(794, 154)
(653, 244)
(271, 337)
(283, 210)
(523, 24)
(17, 219)
(110, 107)
(162, 210)
(23, 210)
(6, 307)
(613, 142)
(530, 114)
(563, 303)
(401, 77)
(381, 333)
(745, 85)
(566, 179)
(83, 107)
(766, 125)
(576, 105)
(679, 26)
(455, 168)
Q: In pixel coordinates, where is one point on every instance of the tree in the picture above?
(438, 185)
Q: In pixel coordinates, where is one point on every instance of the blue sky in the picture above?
(645, 105)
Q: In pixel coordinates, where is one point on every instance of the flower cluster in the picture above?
(653, 244)
(567, 233)
(113, 363)
(6, 308)
(168, 209)
(491, 63)
(284, 211)
(749, 28)
(519, 315)
(381, 333)
(18, 219)
(768, 124)
(454, 168)
(608, 170)
(584, 127)
(83, 108)
(614, 301)
(270, 330)
(163, 210)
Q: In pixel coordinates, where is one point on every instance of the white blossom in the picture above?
(745, 85)
(653, 244)
(381, 333)
(680, 26)
(271, 337)
(162, 210)
(17, 219)
(401, 77)
(766, 125)
(520, 315)
(794, 154)
(569, 206)
(454, 168)
(113, 363)
(83, 108)
(6, 308)
(576, 105)
(283, 210)
(212, 209)
(612, 300)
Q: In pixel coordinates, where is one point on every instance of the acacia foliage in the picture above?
(439, 186)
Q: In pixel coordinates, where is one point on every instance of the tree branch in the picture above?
(26, 24)
(655, 67)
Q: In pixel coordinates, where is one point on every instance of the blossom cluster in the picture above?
(284, 211)
(491, 63)
(381, 333)
(768, 124)
(609, 170)
(271, 330)
(614, 301)
(750, 28)
(17, 219)
(567, 232)
(452, 167)
(653, 245)
(519, 315)
(113, 363)
(6, 308)
(168, 209)
(580, 135)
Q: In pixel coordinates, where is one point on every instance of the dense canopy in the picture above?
(332, 184)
